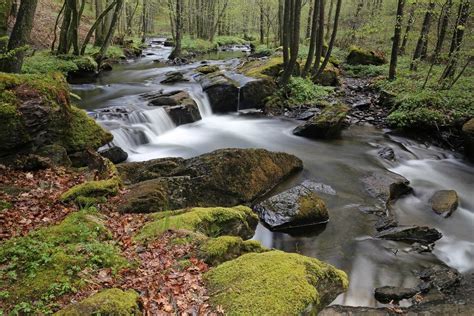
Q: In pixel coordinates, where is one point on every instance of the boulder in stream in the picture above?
(114, 154)
(207, 69)
(328, 124)
(386, 186)
(468, 134)
(444, 202)
(298, 206)
(254, 93)
(225, 177)
(411, 234)
(173, 77)
(222, 91)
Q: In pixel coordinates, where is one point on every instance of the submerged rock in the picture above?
(386, 186)
(298, 206)
(107, 302)
(444, 202)
(274, 283)
(358, 56)
(212, 222)
(222, 91)
(327, 124)
(114, 154)
(388, 294)
(468, 134)
(411, 234)
(386, 153)
(225, 177)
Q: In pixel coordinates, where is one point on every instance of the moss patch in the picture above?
(274, 283)
(4, 205)
(263, 69)
(207, 69)
(218, 250)
(108, 302)
(92, 192)
(359, 56)
(212, 222)
(37, 269)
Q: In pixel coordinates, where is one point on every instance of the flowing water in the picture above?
(346, 242)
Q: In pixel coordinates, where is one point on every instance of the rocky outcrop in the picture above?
(173, 77)
(393, 294)
(468, 134)
(254, 93)
(444, 202)
(359, 56)
(179, 105)
(36, 111)
(411, 234)
(328, 124)
(298, 206)
(222, 91)
(107, 302)
(329, 76)
(274, 283)
(225, 177)
(114, 154)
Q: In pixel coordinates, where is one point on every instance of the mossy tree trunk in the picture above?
(20, 36)
(396, 40)
(111, 30)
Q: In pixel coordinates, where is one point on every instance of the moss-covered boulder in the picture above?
(36, 270)
(254, 93)
(108, 302)
(36, 111)
(468, 134)
(359, 56)
(444, 202)
(215, 251)
(298, 206)
(267, 69)
(87, 70)
(274, 283)
(212, 222)
(92, 192)
(207, 69)
(226, 177)
(329, 76)
(328, 124)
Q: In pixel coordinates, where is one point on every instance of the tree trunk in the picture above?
(295, 41)
(443, 26)
(310, 15)
(312, 42)
(411, 20)
(20, 36)
(319, 38)
(178, 21)
(396, 40)
(262, 26)
(422, 44)
(286, 31)
(111, 31)
(328, 25)
(5, 9)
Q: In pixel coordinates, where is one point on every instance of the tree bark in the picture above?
(396, 40)
(443, 27)
(111, 31)
(411, 20)
(20, 35)
(421, 45)
(5, 9)
(312, 42)
(289, 68)
(178, 21)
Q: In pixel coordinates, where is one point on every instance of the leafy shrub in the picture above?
(303, 91)
(359, 71)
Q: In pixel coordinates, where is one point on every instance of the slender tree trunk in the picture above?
(421, 46)
(443, 26)
(286, 31)
(296, 25)
(96, 24)
(262, 24)
(308, 22)
(111, 32)
(396, 40)
(312, 42)
(5, 9)
(319, 38)
(281, 23)
(328, 25)
(20, 35)
(178, 20)
(411, 20)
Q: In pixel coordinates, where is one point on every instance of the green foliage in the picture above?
(302, 91)
(364, 71)
(273, 283)
(229, 40)
(92, 192)
(113, 52)
(44, 62)
(53, 261)
(197, 45)
(108, 302)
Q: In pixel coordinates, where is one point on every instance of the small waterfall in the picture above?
(203, 103)
(132, 129)
(238, 99)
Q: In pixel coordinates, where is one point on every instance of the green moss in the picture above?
(359, 56)
(274, 283)
(263, 69)
(44, 62)
(207, 69)
(85, 63)
(92, 192)
(4, 205)
(217, 250)
(108, 302)
(113, 52)
(13, 132)
(311, 206)
(212, 222)
(83, 132)
(50, 262)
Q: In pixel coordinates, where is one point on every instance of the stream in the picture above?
(346, 241)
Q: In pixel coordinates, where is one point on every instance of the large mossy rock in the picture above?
(298, 206)
(108, 302)
(254, 93)
(274, 283)
(328, 124)
(212, 222)
(468, 134)
(222, 91)
(36, 111)
(359, 56)
(215, 251)
(263, 68)
(329, 76)
(225, 177)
